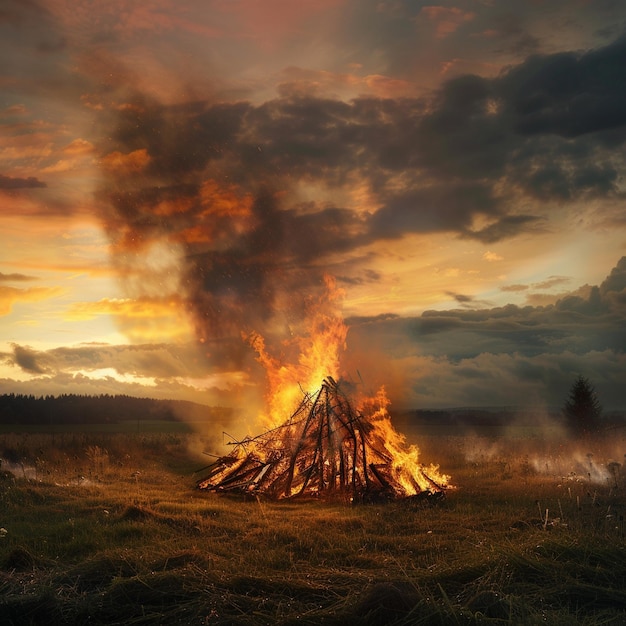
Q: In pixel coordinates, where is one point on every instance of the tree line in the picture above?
(581, 414)
(100, 409)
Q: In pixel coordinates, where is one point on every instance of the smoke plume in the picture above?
(194, 209)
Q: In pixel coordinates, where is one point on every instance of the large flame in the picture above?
(327, 449)
(318, 355)
(318, 441)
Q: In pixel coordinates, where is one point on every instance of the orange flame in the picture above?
(408, 471)
(318, 356)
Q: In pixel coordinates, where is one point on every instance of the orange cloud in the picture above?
(492, 256)
(127, 19)
(225, 200)
(467, 66)
(134, 161)
(16, 109)
(219, 202)
(79, 147)
(387, 87)
(313, 82)
(31, 151)
(447, 19)
(12, 295)
(173, 206)
(126, 307)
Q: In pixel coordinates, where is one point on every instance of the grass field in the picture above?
(103, 528)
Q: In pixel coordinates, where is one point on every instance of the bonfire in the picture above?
(326, 449)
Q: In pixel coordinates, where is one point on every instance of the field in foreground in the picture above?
(108, 529)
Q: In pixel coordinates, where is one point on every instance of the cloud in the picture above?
(16, 277)
(29, 360)
(15, 110)
(142, 361)
(551, 281)
(79, 147)
(549, 284)
(124, 307)
(169, 371)
(460, 298)
(6, 182)
(446, 19)
(226, 186)
(567, 94)
(526, 354)
(492, 256)
(575, 322)
(135, 161)
(12, 295)
(615, 284)
(514, 288)
(489, 379)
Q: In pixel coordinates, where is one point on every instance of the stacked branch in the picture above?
(326, 449)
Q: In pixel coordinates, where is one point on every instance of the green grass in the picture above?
(108, 529)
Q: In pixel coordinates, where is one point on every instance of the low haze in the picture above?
(175, 176)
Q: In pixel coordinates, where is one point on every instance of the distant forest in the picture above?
(102, 409)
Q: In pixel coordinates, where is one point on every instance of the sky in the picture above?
(177, 176)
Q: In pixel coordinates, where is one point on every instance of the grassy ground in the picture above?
(98, 528)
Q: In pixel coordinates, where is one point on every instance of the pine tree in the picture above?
(582, 409)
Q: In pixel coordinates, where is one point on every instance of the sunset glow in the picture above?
(229, 201)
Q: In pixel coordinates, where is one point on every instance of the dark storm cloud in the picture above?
(181, 139)
(27, 27)
(473, 133)
(242, 258)
(400, 34)
(568, 94)
(506, 227)
(512, 36)
(615, 283)
(519, 129)
(577, 324)
(550, 128)
(436, 208)
(7, 182)
(511, 354)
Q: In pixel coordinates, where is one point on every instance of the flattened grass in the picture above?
(116, 534)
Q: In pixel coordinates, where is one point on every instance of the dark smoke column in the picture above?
(192, 208)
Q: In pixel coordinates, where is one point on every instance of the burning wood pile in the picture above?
(326, 450)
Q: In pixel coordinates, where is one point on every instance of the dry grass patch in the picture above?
(512, 544)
